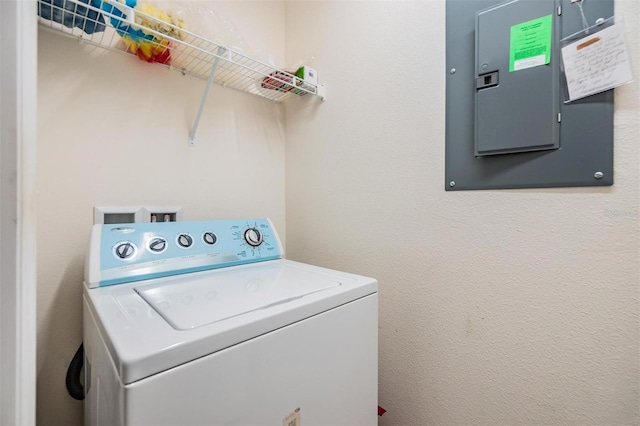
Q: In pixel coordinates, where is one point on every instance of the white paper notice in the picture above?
(596, 63)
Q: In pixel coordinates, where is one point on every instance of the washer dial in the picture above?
(157, 245)
(124, 250)
(184, 240)
(253, 237)
(209, 238)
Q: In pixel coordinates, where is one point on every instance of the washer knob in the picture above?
(209, 238)
(185, 240)
(253, 237)
(157, 245)
(125, 250)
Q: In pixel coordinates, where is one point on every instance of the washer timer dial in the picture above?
(253, 237)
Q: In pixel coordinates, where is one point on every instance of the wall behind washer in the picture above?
(113, 130)
(496, 307)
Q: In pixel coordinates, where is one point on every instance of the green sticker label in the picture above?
(530, 44)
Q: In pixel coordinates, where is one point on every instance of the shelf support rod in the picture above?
(194, 128)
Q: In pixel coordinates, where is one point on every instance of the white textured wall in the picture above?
(496, 307)
(113, 131)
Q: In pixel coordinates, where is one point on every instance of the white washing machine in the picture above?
(206, 323)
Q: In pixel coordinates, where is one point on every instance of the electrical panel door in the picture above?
(516, 99)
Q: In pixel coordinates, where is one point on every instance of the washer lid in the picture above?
(155, 325)
(190, 304)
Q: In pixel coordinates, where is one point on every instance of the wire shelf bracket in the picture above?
(196, 122)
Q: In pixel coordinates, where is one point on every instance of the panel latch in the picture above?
(487, 80)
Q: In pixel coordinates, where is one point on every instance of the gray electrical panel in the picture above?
(507, 125)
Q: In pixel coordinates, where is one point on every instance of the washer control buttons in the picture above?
(184, 240)
(209, 238)
(253, 237)
(124, 250)
(157, 245)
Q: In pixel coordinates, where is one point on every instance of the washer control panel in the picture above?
(121, 253)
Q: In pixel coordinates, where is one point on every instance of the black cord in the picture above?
(74, 386)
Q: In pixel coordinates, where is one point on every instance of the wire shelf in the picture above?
(115, 26)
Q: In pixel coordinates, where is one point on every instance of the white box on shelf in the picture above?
(309, 75)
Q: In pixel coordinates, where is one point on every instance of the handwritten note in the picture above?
(596, 63)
